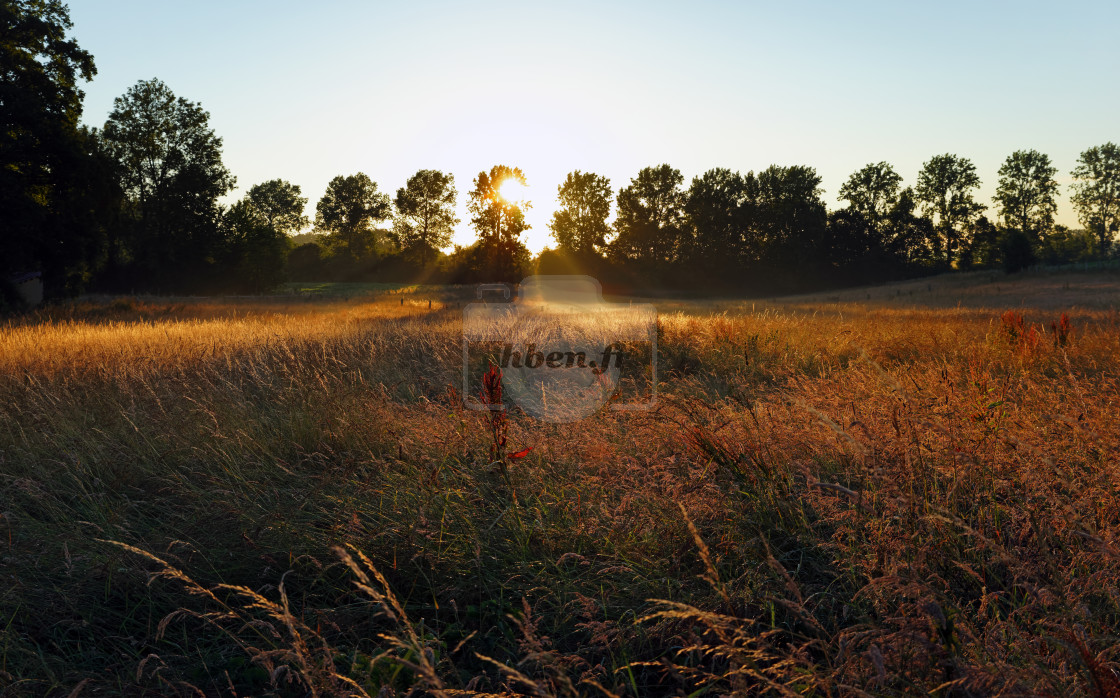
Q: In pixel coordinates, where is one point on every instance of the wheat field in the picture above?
(903, 490)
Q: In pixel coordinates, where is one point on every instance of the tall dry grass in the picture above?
(850, 499)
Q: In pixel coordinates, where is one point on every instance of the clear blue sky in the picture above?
(306, 91)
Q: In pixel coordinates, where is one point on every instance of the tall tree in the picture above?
(51, 171)
(945, 192)
(713, 214)
(787, 216)
(426, 216)
(1027, 193)
(872, 192)
(171, 170)
(347, 212)
(280, 204)
(580, 226)
(499, 219)
(1096, 193)
(650, 217)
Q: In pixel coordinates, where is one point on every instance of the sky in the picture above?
(306, 91)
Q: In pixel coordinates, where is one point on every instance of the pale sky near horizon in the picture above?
(305, 91)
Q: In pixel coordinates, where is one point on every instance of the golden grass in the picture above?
(833, 497)
(107, 341)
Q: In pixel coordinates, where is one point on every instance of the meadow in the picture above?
(901, 490)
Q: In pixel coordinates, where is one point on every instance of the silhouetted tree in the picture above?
(715, 219)
(579, 226)
(650, 217)
(872, 192)
(1026, 193)
(56, 185)
(426, 216)
(256, 249)
(1016, 251)
(852, 245)
(86, 208)
(945, 192)
(858, 251)
(908, 238)
(983, 249)
(1065, 246)
(1096, 193)
(499, 222)
(788, 216)
(280, 204)
(347, 211)
(170, 163)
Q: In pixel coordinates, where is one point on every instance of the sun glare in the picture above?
(512, 190)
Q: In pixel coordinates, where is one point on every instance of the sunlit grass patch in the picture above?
(882, 498)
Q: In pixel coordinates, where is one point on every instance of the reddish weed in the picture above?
(491, 396)
(1062, 330)
(1023, 338)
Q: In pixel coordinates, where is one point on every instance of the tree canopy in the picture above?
(945, 192)
(425, 217)
(1096, 192)
(788, 213)
(347, 212)
(715, 218)
(171, 170)
(52, 172)
(872, 192)
(650, 216)
(280, 205)
(579, 225)
(499, 220)
(1026, 193)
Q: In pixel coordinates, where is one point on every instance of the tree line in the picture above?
(772, 228)
(135, 205)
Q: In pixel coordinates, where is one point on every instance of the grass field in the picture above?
(898, 490)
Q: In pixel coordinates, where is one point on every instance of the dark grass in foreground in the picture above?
(290, 501)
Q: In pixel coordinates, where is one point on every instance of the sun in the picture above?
(511, 190)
